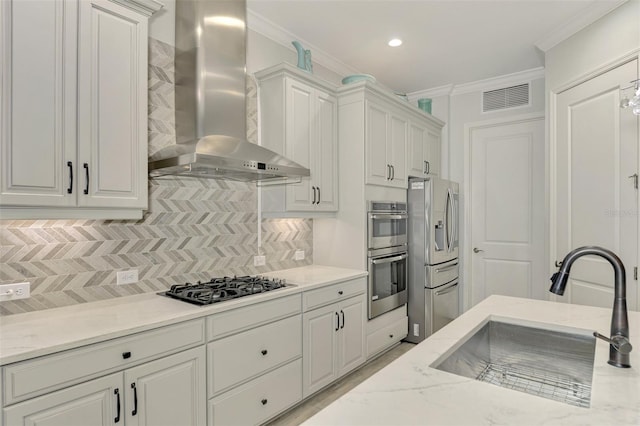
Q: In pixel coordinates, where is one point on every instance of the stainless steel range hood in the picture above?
(210, 100)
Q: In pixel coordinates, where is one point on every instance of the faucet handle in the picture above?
(619, 343)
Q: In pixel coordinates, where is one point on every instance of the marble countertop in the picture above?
(33, 334)
(409, 392)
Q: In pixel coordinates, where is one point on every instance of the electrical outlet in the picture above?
(259, 260)
(15, 291)
(416, 329)
(299, 255)
(127, 277)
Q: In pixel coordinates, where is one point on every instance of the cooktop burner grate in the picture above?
(222, 289)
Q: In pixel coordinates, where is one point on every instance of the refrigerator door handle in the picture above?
(447, 216)
(446, 290)
(388, 259)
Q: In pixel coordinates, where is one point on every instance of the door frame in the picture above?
(551, 160)
(465, 243)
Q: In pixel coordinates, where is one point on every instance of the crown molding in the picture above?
(577, 23)
(273, 31)
(499, 82)
(431, 93)
(147, 7)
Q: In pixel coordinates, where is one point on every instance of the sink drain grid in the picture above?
(536, 382)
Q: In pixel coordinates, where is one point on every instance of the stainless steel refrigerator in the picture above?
(432, 239)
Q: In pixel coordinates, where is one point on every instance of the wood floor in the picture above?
(313, 405)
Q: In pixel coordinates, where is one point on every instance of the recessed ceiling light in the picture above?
(395, 42)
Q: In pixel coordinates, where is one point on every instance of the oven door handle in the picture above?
(446, 290)
(398, 216)
(388, 259)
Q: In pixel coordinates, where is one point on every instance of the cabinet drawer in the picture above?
(237, 358)
(387, 336)
(27, 379)
(333, 293)
(257, 401)
(241, 319)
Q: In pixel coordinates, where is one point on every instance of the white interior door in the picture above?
(507, 210)
(596, 202)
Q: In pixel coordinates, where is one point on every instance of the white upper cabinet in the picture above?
(424, 148)
(399, 139)
(74, 109)
(386, 144)
(299, 119)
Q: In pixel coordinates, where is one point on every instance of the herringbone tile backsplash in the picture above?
(194, 229)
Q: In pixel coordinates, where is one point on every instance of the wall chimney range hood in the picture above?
(210, 100)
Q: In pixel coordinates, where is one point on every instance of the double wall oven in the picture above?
(387, 256)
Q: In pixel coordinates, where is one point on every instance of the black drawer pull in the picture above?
(263, 352)
(117, 394)
(135, 399)
(264, 401)
(126, 355)
(70, 188)
(391, 336)
(86, 177)
(341, 292)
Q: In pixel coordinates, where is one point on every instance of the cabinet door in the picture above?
(97, 402)
(417, 150)
(112, 106)
(299, 133)
(351, 344)
(37, 102)
(397, 151)
(433, 154)
(325, 171)
(169, 391)
(376, 137)
(320, 328)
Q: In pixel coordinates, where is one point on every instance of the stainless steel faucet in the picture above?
(619, 346)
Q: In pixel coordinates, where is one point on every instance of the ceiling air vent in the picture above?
(508, 97)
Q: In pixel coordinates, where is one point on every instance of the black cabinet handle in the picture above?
(126, 355)
(314, 195)
(393, 172)
(135, 399)
(263, 352)
(428, 167)
(86, 178)
(264, 401)
(117, 394)
(338, 321)
(340, 292)
(318, 202)
(388, 172)
(70, 188)
(342, 312)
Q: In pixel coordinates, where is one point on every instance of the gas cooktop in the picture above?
(222, 289)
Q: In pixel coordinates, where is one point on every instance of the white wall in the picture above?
(610, 38)
(262, 52)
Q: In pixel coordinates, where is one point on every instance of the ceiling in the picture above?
(445, 41)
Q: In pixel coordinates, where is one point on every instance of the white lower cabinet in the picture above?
(386, 330)
(91, 403)
(254, 365)
(260, 399)
(157, 377)
(333, 342)
(168, 391)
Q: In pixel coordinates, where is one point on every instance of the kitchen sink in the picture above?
(538, 359)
